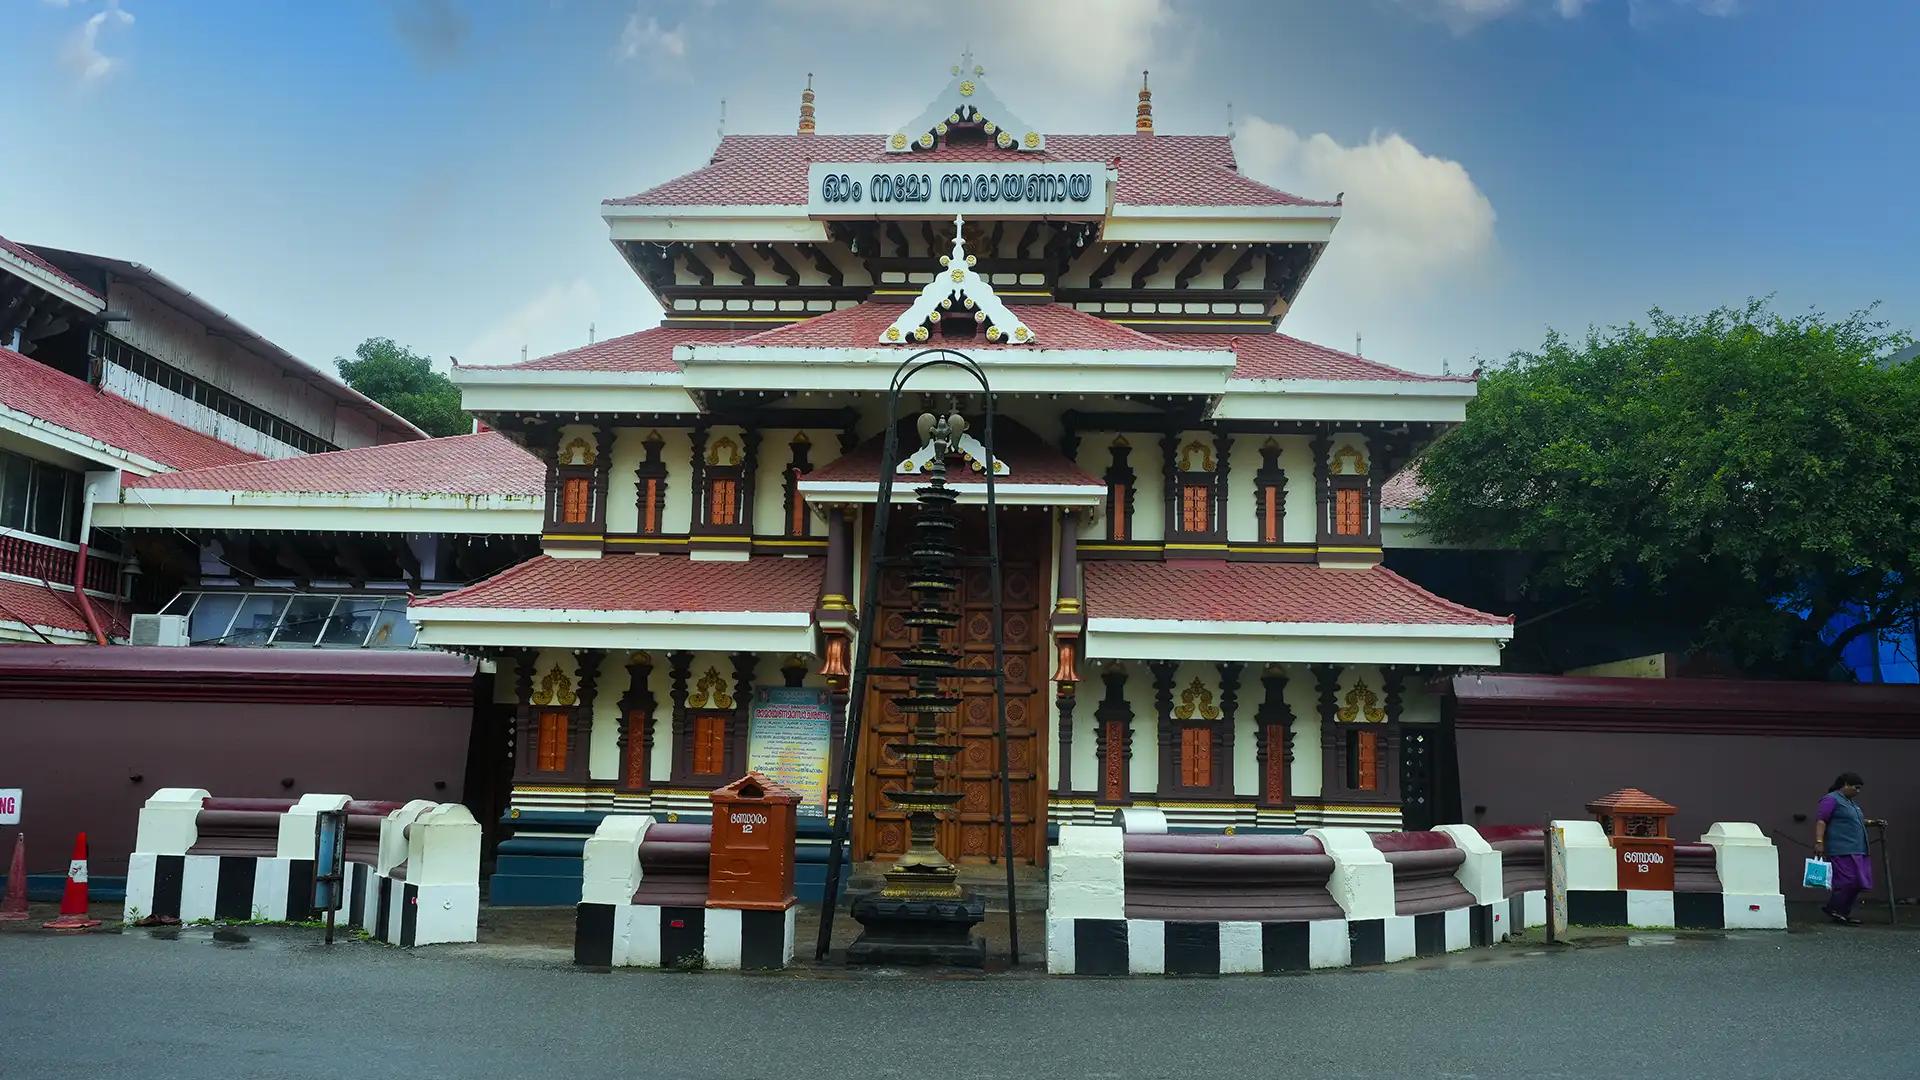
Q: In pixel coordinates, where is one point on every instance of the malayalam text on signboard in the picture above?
(944, 188)
(788, 734)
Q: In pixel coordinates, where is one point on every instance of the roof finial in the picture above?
(1229, 121)
(806, 107)
(723, 118)
(966, 66)
(1143, 116)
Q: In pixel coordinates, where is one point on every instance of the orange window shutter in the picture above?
(1350, 512)
(1196, 757)
(1366, 772)
(637, 749)
(575, 495)
(1114, 782)
(798, 526)
(650, 508)
(1118, 509)
(553, 742)
(710, 744)
(1276, 764)
(721, 506)
(1194, 517)
(1270, 515)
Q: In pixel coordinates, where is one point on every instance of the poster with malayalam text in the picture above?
(788, 735)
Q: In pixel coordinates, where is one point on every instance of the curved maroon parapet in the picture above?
(674, 865)
(371, 808)
(1215, 878)
(1523, 856)
(276, 806)
(1695, 869)
(250, 832)
(1425, 868)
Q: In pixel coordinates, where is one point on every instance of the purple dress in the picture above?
(1847, 851)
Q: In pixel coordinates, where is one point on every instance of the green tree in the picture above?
(1753, 474)
(404, 381)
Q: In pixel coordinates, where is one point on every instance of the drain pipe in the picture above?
(87, 495)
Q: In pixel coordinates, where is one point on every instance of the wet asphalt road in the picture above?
(1753, 1005)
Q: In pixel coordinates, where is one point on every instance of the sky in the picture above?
(431, 170)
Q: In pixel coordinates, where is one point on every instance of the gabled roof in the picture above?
(1055, 326)
(1155, 170)
(1206, 590)
(485, 464)
(1282, 356)
(643, 350)
(1028, 457)
(27, 262)
(644, 583)
(65, 403)
(1402, 490)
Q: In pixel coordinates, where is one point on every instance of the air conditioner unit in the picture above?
(158, 630)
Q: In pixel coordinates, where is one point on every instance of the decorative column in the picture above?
(1333, 756)
(1223, 733)
(1163, 672)
(1273, 739)
(1065, 786)
(636, 726)
(580, 733)
(523, 743)
(838, 585)
(1069, 621)
(1392, 734)
(1113, 739)
(679, 672)
(744, 664)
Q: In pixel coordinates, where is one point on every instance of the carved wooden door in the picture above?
(972, 834)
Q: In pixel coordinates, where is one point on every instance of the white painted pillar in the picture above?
(169, 821)
(297, 824)
(1749, 869)
(1481, 873)
(1362, 882)
(1590, 857)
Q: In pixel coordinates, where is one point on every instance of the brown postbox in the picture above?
(753, 837)
(1636, 824)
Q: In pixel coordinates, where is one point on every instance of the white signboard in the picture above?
(903, 188)
(9, 806)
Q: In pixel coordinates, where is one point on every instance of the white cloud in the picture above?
(1463, 16)
(644, 38)
(1409, 217)
(553, 321)
(82, 53)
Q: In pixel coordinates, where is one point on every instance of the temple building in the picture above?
(1196, 614)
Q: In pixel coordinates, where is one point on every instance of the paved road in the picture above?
(137, 1005)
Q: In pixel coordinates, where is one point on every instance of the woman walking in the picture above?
(1840, 837)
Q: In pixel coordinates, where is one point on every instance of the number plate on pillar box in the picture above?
(1645, 862)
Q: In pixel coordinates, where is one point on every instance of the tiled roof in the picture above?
(1630, 801)
(1219, 591)
(21, 252)
(67, 402)
(1029, 460)
(646, 583)
(38, 605)
(1155, 170)
(488, 463)
(1054, 326)
(1282, 356)
(644, 350)
(1402, 490)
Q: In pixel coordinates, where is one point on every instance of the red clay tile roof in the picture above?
(1208, 590)
(1155, 170)
(1055, 326)
(38, 605)
(1029, 459)
(64, 401)
(644, 350)
(488, 463)
(23, 253)
(1282, 356)
(646, 583)
(1630, 801)
(1402, 490)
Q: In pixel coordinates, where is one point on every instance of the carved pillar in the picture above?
(1069, 588)
(1273, 740)
(1163, 672)
(838, 586)
(1064, 787)
(1223, 732)
(679, 669)
(1113, 739)
(1222, 449)
(837, 697)
(1321, 446)
(1394, 685)
(743, 673)
(1170, 480)
(749, 466)
(523, 739)
(1333, 763)
(580, 725)
(636, 726)
(697, 481)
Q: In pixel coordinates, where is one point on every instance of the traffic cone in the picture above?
(14, 906)
(73, 903)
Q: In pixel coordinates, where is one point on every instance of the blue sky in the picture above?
(430, 170)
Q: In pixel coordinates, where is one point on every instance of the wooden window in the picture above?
(576, 500)
(1196, 508)
(1363, 760)
(650, 506)
(710, 743)
(1350, 512)
(797, 512)
(1118, 501)
(1276, 779)
(1113, 785)
(723, 494)
(1269, 514)
(636, 765)
(552, 743)
(1196, 757)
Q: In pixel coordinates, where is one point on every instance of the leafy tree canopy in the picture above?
(1755, 473)
(404, 381)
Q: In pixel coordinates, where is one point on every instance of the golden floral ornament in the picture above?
(1362, 706)
(1348, 461)
(926, 141)
(920, 333)
(555, 688)
(710, 692)
(1032, 140)
(578, 452)
(724, 452)
(993, 333)
(1197, 700)
(899, 142)
(966, 88)
(1202, 450)
(893, 333)
(990, 128)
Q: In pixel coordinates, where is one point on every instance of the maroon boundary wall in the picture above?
(1532, 747)
(89, 732)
